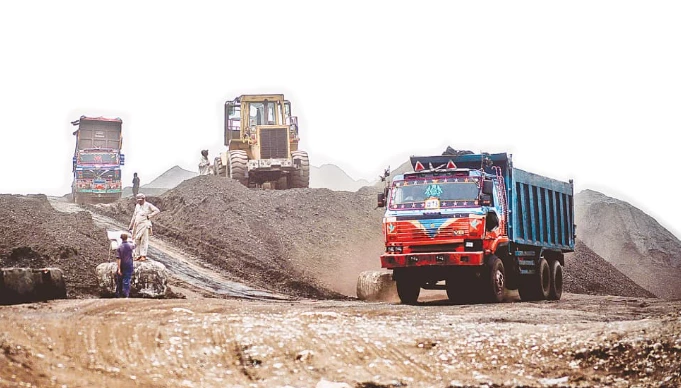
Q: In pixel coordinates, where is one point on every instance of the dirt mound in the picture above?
(35, 235)
(302, 242)
(634, 242)
(587, 273)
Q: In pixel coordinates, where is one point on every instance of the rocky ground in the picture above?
(309, 245)
(579, 341)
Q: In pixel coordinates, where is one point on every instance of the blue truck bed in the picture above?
(540, 209)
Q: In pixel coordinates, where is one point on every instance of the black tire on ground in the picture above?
(556, 286)
(375, 286)
(495, 280)
(237, 167)
(300, 178)
(536, 287)
(408, 290)
(218, 168)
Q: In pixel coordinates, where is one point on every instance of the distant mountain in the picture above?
(332, 177)
(164, 182)
(632, 241)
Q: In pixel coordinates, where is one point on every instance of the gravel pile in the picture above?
(587, 273)
(303, 242)
(35, 235)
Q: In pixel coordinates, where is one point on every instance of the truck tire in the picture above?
(556, 287)
(495, 280)
(536, 286)
(408, 290)
(300, 178)
(375, 286)
(237, 166)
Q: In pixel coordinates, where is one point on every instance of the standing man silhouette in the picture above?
(135, 185)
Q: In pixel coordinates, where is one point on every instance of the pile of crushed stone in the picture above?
(303, 242)
(34, 235)
(588, 273)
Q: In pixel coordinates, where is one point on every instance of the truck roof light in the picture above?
(450, 164)
(418, 166)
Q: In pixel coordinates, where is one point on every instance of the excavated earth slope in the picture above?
(35, 235)
(303, 242)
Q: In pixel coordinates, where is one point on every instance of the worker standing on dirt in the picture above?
(135, 185)
(204, 164)
(125, 267)
(140, 225)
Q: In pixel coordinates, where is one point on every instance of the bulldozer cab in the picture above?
(247, 115)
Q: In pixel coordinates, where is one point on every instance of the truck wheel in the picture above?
(375, 285)
(408, 291)
(556, 287)
(238, 161)
(536, 287)
(300, 178)
(495, 280)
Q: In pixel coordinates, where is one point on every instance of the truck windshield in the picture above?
(98, 158)
(410, 192)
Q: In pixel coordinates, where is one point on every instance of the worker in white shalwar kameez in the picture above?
(140, 226)
(204, 164)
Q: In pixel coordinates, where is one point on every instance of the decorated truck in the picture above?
(97, 160)
(475, 226)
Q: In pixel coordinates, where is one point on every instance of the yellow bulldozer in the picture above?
(262, 140)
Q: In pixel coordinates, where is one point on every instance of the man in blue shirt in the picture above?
(125, 267)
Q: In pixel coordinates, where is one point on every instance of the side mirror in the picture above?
(381, 200)
(488, 187)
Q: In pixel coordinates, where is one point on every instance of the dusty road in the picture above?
(578, 341)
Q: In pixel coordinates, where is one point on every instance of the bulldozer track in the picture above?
(184, 268)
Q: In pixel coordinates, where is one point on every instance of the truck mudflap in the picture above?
(392, 261)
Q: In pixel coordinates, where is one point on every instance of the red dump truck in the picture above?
(474, 225)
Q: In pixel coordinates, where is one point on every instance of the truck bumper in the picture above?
(391, 261)
(270, 164)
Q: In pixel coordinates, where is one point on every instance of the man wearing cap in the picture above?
(204, 164)
(140, 225)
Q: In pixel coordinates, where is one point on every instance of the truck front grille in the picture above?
(274, 143)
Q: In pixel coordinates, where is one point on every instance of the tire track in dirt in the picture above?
(180, 265)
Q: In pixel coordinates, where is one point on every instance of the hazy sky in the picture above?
(583, 90)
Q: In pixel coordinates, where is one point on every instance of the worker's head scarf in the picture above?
(140, 196)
